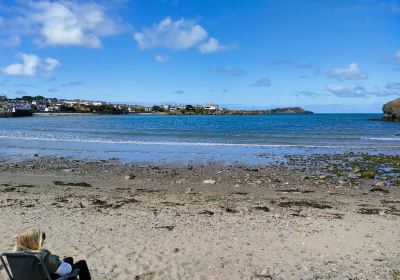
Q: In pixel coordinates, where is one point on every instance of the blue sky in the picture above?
(326, 56)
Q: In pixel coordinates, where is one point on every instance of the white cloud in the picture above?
(174, 35)
(11, 41)
(50, 64)
(161, 58)
(31, 65)
(351, 72)
(389, 89)
(392, 88)
(181, 34)
(262, 83)
(306, 93)
(72, 84)
(67, 23)
(227, 71)
(213, 45)
(340, 91)
(179, 91)
(28, 67)
(296, 64)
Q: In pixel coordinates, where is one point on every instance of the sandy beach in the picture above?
(201, 140)
(206, 222)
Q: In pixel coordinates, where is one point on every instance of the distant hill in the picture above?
(290, 110)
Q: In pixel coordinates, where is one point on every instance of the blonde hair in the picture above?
(30, 239)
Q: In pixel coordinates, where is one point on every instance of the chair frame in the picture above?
(4, 256)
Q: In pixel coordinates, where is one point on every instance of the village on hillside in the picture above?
(40, 104)
(29, 105)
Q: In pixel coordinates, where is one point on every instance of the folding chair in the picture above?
(28, 266)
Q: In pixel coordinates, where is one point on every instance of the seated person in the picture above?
(31, 240)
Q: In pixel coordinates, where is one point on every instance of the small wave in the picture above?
(381, 138)
(205, 144)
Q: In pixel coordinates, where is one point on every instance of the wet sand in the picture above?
(282, 221)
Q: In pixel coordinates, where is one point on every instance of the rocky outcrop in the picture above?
(391, 110)
(290, 110)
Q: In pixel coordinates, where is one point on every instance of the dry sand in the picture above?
(212, 222)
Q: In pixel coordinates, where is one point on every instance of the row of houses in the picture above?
(67, 102)
(54, 104)
(12, 106)
(174, 108)
(164, 107)
(42, 104)
(76, 102)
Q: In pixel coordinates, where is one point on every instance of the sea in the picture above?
(160, 139)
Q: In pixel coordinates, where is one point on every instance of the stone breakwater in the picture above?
(22, 113)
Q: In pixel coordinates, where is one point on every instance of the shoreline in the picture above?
(60, 114)
(317, 217)
(178, 154)
(170, 114)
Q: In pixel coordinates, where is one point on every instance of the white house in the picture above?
(210, 107)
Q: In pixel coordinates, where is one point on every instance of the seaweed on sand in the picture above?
(305, 203)
(80, 184)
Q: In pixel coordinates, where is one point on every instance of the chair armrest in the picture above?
(3, 263)
(74, 273)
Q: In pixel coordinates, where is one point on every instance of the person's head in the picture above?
(30, 239)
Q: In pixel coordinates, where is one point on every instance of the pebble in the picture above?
(176, 250)
(209, 182)
(380, 184)
(130, 177)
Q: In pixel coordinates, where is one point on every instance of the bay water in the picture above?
(163, 138)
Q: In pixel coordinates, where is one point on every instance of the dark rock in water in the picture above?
(391, 110)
